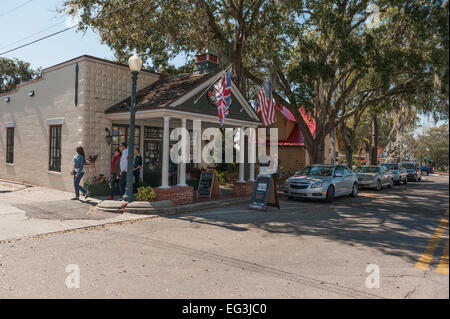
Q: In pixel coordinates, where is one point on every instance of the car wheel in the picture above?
(330, 194)
(379, 185)
(391, 183)
(354, 192)
(425, 173)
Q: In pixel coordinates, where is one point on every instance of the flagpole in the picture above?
(259, 89)
(213, 82)
(262, 85)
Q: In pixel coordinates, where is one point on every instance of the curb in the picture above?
(179, 209)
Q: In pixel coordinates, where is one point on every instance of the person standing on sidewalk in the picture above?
(123, 169)
(115, 173)
(137, 168)
(78, 173)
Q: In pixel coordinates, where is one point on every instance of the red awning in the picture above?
(296, 137)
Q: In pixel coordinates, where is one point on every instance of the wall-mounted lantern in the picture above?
(109, 136)
(7, 99)
(31, 93)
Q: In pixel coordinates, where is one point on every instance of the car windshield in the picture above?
(316, 171)
(366, 169)
(409, 165)
(390, 166)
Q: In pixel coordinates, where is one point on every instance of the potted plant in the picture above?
(99, 186)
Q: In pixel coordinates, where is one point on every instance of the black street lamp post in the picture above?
(135, 64)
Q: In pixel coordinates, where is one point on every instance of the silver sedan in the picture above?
(400, 173)
(374, 177)
(322, 181)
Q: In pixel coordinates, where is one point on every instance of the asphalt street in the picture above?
(387, 244)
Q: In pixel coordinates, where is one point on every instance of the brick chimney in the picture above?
(206, 62)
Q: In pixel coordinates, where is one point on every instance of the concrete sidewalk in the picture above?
(27, 210)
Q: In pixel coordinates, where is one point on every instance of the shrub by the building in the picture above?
(145, 194)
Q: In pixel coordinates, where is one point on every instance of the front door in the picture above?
(152, 162)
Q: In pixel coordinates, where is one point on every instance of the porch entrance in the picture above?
(152, 160)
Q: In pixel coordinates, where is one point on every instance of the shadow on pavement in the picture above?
(396, 221)
(64, 210)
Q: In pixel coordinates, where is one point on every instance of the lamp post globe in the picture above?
(135, 64)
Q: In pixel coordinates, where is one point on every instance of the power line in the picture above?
(19, 6)
(40, 39)
(61, 31)
(32, 35)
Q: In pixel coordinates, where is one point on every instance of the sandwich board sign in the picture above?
(208, 185)
(264, 193)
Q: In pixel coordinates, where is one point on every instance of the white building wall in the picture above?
(101, 84)
(53, 98)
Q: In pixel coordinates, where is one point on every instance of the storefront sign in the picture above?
(264, 193)
(208, 185)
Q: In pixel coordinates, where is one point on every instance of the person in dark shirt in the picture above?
(137, 168)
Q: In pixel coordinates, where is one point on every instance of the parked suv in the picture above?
(400, 173)
(414, 172)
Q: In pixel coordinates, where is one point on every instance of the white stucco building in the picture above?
(86, 99)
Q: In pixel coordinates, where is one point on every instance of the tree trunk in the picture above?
(349, 157)
(316, 150)
(374, 141)
(347, 139)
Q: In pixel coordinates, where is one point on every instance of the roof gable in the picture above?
(180, 93)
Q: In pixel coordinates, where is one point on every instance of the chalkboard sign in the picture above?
(264, 192)
(208, 184)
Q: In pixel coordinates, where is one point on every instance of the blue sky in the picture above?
(38, 15)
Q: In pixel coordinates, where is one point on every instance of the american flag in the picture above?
(222, 90)
(266, 104)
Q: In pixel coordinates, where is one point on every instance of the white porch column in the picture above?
(251, 177)
(165, 159)
(252, 154)
(241, 155)
(183, 162)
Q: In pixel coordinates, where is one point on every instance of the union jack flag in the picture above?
(266, 104)
(222, 90)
